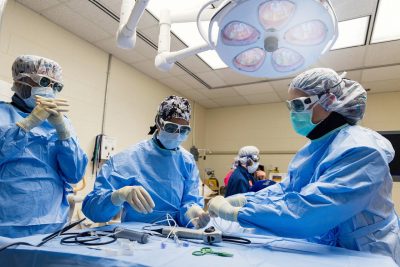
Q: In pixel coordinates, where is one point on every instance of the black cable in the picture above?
(15, 244)
(235, 239)
(89, 238)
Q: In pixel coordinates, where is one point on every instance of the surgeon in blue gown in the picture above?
(338, 190)
(153, 178)
(39, 153)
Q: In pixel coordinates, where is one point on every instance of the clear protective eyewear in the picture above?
(302, 103)
(171, 127)
(254, 158)
(43, 81)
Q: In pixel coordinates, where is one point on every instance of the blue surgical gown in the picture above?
(239, 182)
(170, 177)
(35, 169)
(338, 192)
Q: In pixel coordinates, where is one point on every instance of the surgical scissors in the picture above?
(207, 250)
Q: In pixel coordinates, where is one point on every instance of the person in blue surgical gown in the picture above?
(39, 153)
(153, 178)
(338, 190)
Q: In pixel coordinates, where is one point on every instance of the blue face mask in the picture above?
(171, 140)
(47, 92)
(302, 122)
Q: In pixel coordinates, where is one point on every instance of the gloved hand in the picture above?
(37, 117)
(198, 216)
(136, 196)
(220, 207)
(238, 200)
(55, 107)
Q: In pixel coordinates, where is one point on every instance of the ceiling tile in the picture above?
(152, 33)
(128, 56)
(175, 84)
(221, 92)
(194, 95)
(383, 54)
(380, 74)
(113, 5)
(264, 98)
(147, 21)
(257, 88)
(207, 103)
(231, 101)
(145, 49)
(147, 67)
(94, 14)
(195, 64)
(39, 5)
(233, 78)
(346, 10)
(354, 75)
(188, 79)
(281, 88)
(77, 24)
(211, 79)
(343, 59)
(383, 86)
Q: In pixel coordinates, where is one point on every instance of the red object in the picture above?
(228, 175)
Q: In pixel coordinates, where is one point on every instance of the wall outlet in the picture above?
(108, 145)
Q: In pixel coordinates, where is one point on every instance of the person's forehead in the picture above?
(295, 93)
(179, 121)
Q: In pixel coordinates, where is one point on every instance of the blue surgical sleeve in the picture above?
(97, 205)
(343, 190)
(190, 195)
(12, 140)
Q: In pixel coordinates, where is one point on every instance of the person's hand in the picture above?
(238, 200)
(136, 196)
(56, 107)
(198, 216)
(220, 207)
(38, 115)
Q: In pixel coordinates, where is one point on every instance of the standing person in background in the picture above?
(242, 177)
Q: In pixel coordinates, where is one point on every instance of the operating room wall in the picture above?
(267, 126)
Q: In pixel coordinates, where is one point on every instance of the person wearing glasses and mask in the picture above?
(339, 187)
(40, 155)
(153, 178)
(242, 178)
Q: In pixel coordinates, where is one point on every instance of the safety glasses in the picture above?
(171, 127)
(44, 81)
(302, 103)
(254, 158)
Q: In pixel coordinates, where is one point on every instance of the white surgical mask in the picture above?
(47, 92)
(253, 167)
(171, 140)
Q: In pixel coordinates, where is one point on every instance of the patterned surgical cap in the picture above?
(30, 64)
(344, 96)
(174, 107)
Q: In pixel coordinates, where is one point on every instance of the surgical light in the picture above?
(259, 38)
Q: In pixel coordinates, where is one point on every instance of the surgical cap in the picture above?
(344, 96)
(29, 64)
(247, 152)
(172, 107)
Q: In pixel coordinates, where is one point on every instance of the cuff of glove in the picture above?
(116, 199)
(237, 201)
(29, 123)
(60, 126)
(193, 212)
(232, 215)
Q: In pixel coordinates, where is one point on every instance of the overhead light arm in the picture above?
(2, 8)
(131, 12)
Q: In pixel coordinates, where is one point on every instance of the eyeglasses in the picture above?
(43, 81)
(254, 158)
(302, 103)
(171, 127)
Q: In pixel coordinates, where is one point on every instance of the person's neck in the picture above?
(332, 122)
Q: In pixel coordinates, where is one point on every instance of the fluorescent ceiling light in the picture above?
(187, 32)
(387, 22)
(352, 33)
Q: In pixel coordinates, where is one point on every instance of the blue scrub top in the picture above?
(170, 177)
(35, 169)
(338, 192)
(239, 182)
